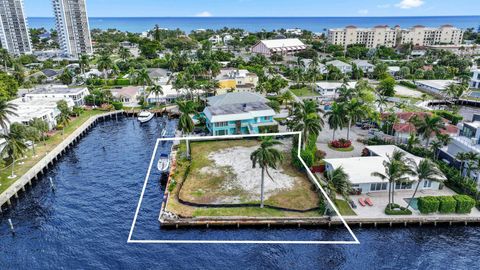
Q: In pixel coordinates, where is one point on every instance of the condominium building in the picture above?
(14, 35)
(383, 35)
(73, 27)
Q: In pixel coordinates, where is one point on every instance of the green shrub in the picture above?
(308, 156)
(172, 185)
(396, 210)
(448, 204)
(408, 84)
(464, 204)
(428, 205)
(452, 117)
(117, 105)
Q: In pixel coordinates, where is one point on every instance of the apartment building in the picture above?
(383, 35)
(14, 35)
(73, 27)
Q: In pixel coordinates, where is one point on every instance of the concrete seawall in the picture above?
(51, 157)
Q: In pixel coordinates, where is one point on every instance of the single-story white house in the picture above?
(360, 169)
(55, 92)
(434, 86)
(170, 94)
(128, 95)
(329, 90)
(364, 65)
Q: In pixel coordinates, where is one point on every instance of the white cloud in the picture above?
(363, 11)
(407, 4)
(203, 14)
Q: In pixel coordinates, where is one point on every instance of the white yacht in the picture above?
(163, 163)
(145, 116)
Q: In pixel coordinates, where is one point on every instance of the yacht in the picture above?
(163, 163)
(145, 116)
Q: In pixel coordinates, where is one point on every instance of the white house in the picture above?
(129, 95)
(342, 66)
(360, 169)
(215, 39)
(393, 70)
(434, 86)
(364, 65)
(475, 80)
(227, 38)
(279, 46)
(55, 92)
(329, 90)
(169, 94)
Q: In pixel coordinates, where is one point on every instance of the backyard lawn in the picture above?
(41, 150)
(304, 92)
(344, 208)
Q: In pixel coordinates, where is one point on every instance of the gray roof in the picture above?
(238, 108)
(362, 63)
(236, 98)
(50, 72)
(158, 72)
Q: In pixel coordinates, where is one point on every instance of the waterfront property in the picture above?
(169, 95)
(128, 95)
(329, 90)
(279, 46)
(232, 78)
(436, 87)
(239, 113)
(55, 92)
(360, 169)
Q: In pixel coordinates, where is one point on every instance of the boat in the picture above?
(163, 163)
(145, 116)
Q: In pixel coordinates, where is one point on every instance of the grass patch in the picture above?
(249, 212)
(42, 149)
(344, 208)
(304, 92)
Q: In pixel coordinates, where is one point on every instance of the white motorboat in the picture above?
(145, 116)
(163, 163)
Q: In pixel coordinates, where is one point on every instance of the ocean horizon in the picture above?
(253, 24)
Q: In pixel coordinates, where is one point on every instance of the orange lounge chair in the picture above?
(361, 202)
(369, 202)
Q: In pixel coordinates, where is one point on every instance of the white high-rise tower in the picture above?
(73, 27)
(14, 35)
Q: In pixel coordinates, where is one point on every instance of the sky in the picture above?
(264, 8)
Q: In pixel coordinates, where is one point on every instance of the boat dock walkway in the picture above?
(51, 157)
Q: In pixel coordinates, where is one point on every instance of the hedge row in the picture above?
(460, 204)
(452, 117)
(396, 210)
(408, 84)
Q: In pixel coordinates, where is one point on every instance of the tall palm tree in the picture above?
(5, 58)
(381, 102)
(412, 140)
(40, 125)
(472, 158)
(104, 64)
(143, 78)
(436, 146)
(6, 109)
(266, 157)
(84, 63)
(33, 135)
(14, 148)
(314, 66)
(63, 119)
(185, 122)
(396, 171)
(307, 120)
(157, 90)
(355, 111)
(428, 126)
(124, 53)
(425, 171)
(462, 157)
(337, 182)
(336, 117)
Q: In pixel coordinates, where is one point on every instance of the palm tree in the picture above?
(84, 63)
(307, 120)
(428, 126)
(63, 119)
(337, 182)
(185, 122)
(396, 170)
(381, 102)
(266, 157)
(5, 58)
(14, 148)
(425, 171)
(104, 64)
(143, 78)
(124, 53)
(436, 146)
(157, 90)
(33, 135)
(336, 117)
(40, 125)
(462, 157)
(412, 140)
(355, 111)
(472, 158)
(6, 109)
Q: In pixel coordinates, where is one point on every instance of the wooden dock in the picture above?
(52, 157)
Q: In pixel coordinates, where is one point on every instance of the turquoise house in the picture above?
(239, 113)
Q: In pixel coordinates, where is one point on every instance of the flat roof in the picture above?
(280, 43)
(236, 98)
(335, 85)
(238, 108)
(437, 84)
(56, 89)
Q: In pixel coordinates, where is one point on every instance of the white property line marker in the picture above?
(314, 179)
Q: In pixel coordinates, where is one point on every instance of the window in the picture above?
(221, 124)
(221, 132)
(403, 186)
(427, 184)
(378, 186)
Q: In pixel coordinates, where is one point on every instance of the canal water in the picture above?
(85, 223)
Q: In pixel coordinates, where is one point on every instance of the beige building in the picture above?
(383, 35)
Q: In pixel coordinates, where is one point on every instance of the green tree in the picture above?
(266, 157)
(41, 125)
(6, 110)
(355, 111)
(387, 86)
(185, 122)
(13, 148)
(336, 117)
(8, 86)
(105, 64)
(427, 126)
(337, 182)
(143, 78)
(306, 119)
(425, 171)
(157, 90)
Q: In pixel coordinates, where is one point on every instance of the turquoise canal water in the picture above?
(315, 24)
(85, 223)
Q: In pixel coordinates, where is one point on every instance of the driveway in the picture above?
(326, 136)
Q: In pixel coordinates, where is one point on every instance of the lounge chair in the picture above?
(361, 202)
(369, 202)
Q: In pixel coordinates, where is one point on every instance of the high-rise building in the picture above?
(14, 35)
(391, 37)
(73, 27)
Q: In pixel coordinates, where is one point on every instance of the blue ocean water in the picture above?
(315, 24)
(85, 223)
